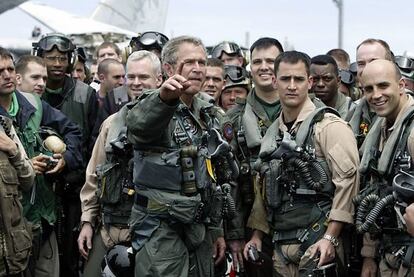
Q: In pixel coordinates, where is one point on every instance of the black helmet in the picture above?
(118, 261)
(149, 41)
(230, 48)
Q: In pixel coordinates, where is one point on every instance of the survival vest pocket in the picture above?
(109, 182)
(9, 178)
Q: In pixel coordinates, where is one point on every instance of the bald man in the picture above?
(386, 152)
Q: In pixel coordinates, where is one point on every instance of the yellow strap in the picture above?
(210, 169)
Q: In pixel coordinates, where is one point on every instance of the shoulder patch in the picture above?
(228, 131)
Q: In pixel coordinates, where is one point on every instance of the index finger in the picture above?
(180, 68)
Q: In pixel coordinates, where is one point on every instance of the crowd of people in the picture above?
(180, 161)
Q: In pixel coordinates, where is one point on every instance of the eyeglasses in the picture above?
(61, 59)
(229, 48)
(235, 73)
(63, 44)
(149, 40)
(404, 63)
(346, 77)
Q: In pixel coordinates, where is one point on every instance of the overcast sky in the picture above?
(310, 26)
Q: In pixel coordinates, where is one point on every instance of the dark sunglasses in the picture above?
(227, 47)
(235, 73)
(404, 62)
(149, 40)
(63, 44)
(346, 77)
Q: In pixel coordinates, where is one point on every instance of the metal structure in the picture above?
(340, 5)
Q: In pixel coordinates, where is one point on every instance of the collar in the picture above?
(307, 109)
(384, 131)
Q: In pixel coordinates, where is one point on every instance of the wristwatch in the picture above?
(331, 239)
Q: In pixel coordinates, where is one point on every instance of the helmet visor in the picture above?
(63, 44)
(229, 48)
(346, 77)
(404, 62)
(235, 73)
(149, 40)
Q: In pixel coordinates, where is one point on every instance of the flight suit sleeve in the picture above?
(335, 142)
(89, 200)
(148, 119)
(22, 164)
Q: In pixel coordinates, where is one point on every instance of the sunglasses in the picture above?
(404, 63)
(149, 40)
(227, 47)
(346, 77)
(63, 44)
(235, 73)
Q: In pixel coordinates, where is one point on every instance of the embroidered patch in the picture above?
(228, 131)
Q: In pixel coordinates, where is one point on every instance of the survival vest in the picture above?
(298, 190)
(15, 234)
(115, 188)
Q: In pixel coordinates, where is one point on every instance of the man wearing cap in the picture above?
(78, 102)
(386, 163)
(325, 86)
(251, 117)
(229, 53)
(237, 86)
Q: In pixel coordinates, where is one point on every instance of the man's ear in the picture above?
(18, 78)
(101, 77)
(310, 81)
(401, 85)
(159, 80)
(168, 69)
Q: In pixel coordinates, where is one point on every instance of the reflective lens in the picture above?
(63, 44)
(149, 40)
(346, 77)
(235, 73)
(227, 47)
(404, 62)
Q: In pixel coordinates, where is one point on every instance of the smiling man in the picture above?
(250, 118)
(392, 138)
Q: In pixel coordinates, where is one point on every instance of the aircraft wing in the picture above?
(134, 15)
(6, 5)
(69, 24)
